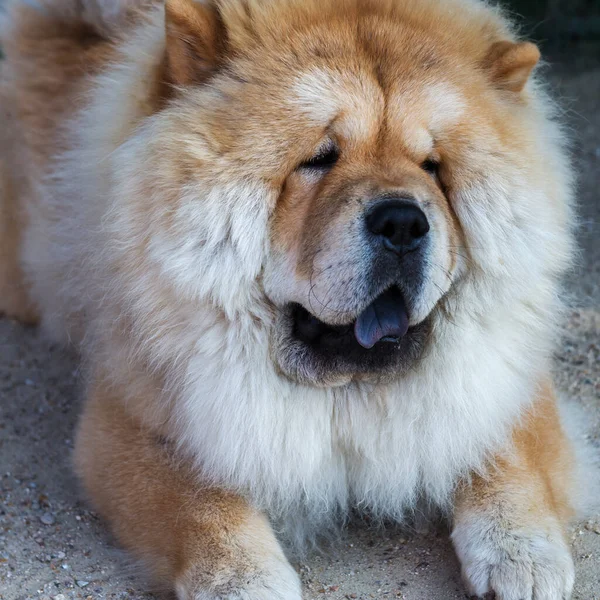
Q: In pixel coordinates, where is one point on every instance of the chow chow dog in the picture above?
(311, 252)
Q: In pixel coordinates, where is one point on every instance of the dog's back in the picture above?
(50, 49)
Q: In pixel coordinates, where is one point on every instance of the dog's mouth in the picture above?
(377, 345)
(383, 321)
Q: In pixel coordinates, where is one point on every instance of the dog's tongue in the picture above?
(384, 319)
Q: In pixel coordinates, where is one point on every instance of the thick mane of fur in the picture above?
(176, 291)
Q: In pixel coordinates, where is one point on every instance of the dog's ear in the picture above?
(510, 64)
(195, 40)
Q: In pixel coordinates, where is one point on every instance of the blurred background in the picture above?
(559, 23)
(554, 24)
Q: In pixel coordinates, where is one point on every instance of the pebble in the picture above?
(47, 519)
(82, 583)
(591, 526)
(60, 597)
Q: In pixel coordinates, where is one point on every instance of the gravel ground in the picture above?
(53, 546)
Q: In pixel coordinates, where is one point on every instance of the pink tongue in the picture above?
(385, 317)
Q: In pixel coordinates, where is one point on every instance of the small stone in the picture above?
(60, 555)
(47, 519)
(82, 583)
(60, 597)
(591, 526)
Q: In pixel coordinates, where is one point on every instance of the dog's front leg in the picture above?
(510, 527)
(203, 543)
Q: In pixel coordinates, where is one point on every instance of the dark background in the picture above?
(558, 23)
(554, 24)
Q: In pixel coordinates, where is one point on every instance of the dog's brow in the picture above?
(326, 95)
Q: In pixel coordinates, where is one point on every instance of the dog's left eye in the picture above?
(323, 159)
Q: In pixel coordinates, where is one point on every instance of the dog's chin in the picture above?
(312, 352)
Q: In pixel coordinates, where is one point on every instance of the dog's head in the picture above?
(345, 163)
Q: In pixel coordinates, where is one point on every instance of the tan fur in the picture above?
(194, 41)
(540, 463)
(35, 98)
(393, 84)
(511, 64)
(187, 534)
(524, 492)
(14, 300)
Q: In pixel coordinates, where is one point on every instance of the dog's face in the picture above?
(357, 148)
(363, 239)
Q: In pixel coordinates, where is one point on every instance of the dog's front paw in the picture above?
(275, 579)
(516, 564)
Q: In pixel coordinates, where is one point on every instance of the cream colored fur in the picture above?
(295, 451)
(171, 285)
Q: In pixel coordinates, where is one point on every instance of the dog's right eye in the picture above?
(430, 167)
(323, 159)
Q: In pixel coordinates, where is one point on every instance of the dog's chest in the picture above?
(315, 451)
(296, 448)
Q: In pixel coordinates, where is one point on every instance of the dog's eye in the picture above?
(430, 166)
(323, 159)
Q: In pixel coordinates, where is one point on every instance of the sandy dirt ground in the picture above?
(53, 546)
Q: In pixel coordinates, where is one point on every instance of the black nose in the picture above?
(399, 222)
